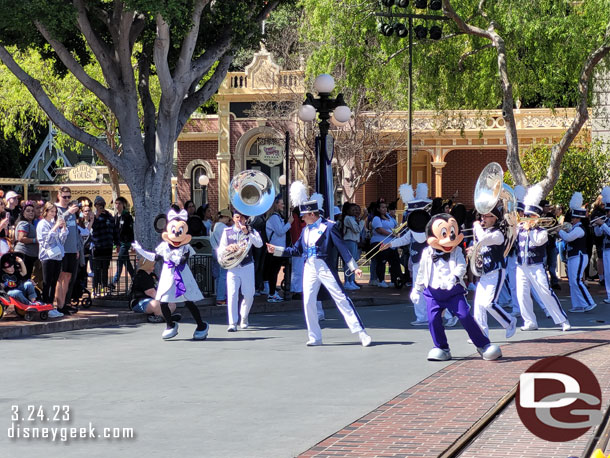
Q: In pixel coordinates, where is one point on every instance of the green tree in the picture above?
(583, 169)
(540, 51)
(187, 45)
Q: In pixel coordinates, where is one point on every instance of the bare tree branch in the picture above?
(54, 114)
(465, 56)
(193, 101)
(79, 72)
(190, 40)
(582, 113)
(148, 105)
(512, 142)
(161, 51)
(102, 52)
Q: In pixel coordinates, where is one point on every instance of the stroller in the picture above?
(27, 312)
(81, 296)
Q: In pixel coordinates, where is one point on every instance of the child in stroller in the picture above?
(81, 296)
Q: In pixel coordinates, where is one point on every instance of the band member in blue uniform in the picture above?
(578, 259)
(317, 240)
(602, 227)
(531, 250)
(488, 235)
(242, 275)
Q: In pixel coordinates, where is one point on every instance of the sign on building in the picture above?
(82, 172)
(270, 155)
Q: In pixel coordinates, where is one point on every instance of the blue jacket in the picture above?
(330, 238)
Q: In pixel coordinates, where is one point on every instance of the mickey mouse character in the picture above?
(176, 283)
(440, 279)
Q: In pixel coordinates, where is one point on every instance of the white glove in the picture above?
(145, 254)
(415, 296)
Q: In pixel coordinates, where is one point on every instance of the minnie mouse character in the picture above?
(177, 283)
(440, 279)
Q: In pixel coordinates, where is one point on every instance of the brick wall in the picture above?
(382, 184)
(237, 129)
(462, 170)
(189, 151)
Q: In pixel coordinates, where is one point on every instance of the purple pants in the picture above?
(454, 300)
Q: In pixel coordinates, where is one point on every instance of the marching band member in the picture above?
(490, 237)
(315, 244)
(530, 269)
(602, 227)
(242, 275)
(508, 295)
(416, 242)
(578, 259)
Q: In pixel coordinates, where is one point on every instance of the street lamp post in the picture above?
(324, 105)
(421, 32)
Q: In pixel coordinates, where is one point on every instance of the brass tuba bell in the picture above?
(489, 190)
(251, 193)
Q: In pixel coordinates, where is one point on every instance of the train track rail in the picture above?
(599, 440)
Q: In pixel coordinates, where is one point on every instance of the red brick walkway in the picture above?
(429, 417)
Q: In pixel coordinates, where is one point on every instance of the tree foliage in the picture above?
(460, 70)
(187, 45)
(583, 169)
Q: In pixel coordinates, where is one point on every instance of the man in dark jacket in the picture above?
(123, 230)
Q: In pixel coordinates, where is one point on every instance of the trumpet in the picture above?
(594, 220)
(559, 227)
(545, 222)
(365, 257)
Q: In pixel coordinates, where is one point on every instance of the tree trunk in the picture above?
(151, 194)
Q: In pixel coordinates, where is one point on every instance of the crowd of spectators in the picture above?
(47, 248)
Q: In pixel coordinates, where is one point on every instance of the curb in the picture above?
(114, 313)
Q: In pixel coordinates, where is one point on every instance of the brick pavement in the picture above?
(507, 437)
(425, 420)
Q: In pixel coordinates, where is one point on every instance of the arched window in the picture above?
(199, 194)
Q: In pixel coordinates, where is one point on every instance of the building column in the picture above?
(438, 178)
(224, 154)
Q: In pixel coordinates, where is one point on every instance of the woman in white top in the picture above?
(382, 232)
(276, 229)
(352, 228)
(51, 234)
(219, 274)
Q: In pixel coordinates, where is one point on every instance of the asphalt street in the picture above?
(255, 393)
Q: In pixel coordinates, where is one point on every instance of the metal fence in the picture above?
(200, 265)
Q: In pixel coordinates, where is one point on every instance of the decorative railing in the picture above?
(290, 80)
(538, 118)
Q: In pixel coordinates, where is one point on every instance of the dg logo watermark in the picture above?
(559, 399)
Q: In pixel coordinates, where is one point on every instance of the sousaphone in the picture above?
(251, 193)
(490, 191)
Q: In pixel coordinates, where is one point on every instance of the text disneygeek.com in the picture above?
(33, 422)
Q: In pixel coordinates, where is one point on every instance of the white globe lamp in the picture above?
(203, 180)
(282, 180)
(307, 113)
(342, 114)
(324, 83)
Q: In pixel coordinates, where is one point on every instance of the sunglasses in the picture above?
(66, 197)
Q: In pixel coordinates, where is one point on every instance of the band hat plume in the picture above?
(519, 196)
(606, 197)
(421, 197)
(406, 193)
(532, 200)
(298, 193)
(576, 206)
